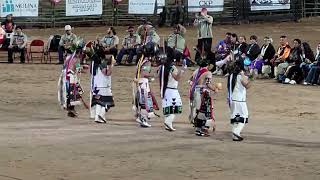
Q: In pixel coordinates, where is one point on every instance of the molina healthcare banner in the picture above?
(211, 5)
(83, 7)
(144, 6)
(258, 5)
(19, 8)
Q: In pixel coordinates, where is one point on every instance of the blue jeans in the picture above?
(313, 75)
(130, 51)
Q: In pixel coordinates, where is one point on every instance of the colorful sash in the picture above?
(195, 81)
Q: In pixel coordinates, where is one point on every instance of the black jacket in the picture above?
(253, 51)
(295, 56)
(270, 52)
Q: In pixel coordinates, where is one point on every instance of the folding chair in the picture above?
(36, 47)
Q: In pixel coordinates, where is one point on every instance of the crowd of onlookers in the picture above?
(289, 64)
(13, 39)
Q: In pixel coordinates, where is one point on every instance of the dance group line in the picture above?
(235, 58)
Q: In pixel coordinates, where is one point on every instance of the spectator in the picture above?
(177, 42)
(204, 22)
(18, 42)
(110, 42)
(8, 25)
(267, 53)
(280, 61)
(130, 44)
(67, 41)
(252, 54)
(313, 75)
(294, 72)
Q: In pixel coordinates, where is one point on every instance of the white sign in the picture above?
(160, 4)
(211, 5)
(19, 8)
(83, 7)
(141, 6)
(258, 5)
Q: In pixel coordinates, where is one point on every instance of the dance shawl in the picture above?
(195, 80)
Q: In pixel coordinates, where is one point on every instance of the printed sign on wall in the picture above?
(259, 5)
(211, 5)
(19, 8)
(145, 6)
(83, 7)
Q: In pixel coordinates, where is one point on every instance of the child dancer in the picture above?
(238, 83)
(169, 76)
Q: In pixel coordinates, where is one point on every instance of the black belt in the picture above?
(171, 88)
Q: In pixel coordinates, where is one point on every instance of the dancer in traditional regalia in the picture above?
(238, 83)
(101, 93)
(201, 105)
(69, 88)
(144, 102)
(169, 75)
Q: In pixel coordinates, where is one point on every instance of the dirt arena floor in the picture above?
(39, 142)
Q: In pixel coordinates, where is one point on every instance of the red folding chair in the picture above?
(36, 47)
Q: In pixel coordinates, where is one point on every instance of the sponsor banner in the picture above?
(19, 8)
(211, 5)
(145, 6)
(260, 5)
(83, 7)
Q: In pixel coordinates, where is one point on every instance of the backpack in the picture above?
(54, 43)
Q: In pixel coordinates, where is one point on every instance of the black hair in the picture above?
(167, 67)
(19, 27)
(283, 36)
(298, 40)
(308, 51)
(254, 37)
(113, 30)
(228, 33)
(237, 68)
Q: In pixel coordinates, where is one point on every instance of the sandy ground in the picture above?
(39, 142)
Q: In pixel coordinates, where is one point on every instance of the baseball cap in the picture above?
(67, 28)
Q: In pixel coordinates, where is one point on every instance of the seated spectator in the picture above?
(110, 42)
(280, 60)
(252, 53)
(150, 40)
(177, 42)
(67, 41)
(308, 59)
(130, 44)
(314, 73)
(228, 55)
(266, 54)
(8, 26)
(294, 72)
(18, 43)
(222, 46)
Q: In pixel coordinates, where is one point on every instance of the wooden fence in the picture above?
(235, 11)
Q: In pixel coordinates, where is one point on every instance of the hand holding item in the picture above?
(219, 86)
